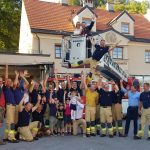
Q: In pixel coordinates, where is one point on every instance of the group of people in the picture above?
(35, 109)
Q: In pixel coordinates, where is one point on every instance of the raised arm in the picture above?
(16, 78)
(100, 83)
(22, 75)
(22, 102)
(32, 86)
(83, 81)
(6, 73)
(45, 82)
(112, 47)
(37, 104)
(56, 80)
(68, 81)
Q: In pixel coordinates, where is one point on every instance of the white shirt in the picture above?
(77, 32)
(79, 111)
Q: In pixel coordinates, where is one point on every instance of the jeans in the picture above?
(132, 114)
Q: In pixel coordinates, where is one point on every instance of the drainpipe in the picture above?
(39, 45)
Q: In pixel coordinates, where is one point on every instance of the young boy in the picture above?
(60, 119)
(53, 113)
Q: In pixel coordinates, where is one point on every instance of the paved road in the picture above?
(80, 143)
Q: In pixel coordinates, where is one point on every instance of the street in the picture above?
(80, 143)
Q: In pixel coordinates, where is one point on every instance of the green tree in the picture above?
(74, 2)
(133, 7)
(10, 12)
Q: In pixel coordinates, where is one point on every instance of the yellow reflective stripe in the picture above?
(35, 129)
(46, 126)
(148, 133)
(120, 128)
(103, 129)
(11, 132)
(6, 130)
(88, 129)
(110, 129)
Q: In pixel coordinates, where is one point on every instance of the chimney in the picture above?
(147, 15)
(86, 3)
(110, 7)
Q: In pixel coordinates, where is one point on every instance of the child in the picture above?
(53, 113)
(73, 102)
(67, 117)
(60, 119)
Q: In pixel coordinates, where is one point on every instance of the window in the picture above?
(58, 51)
(124, 27)
(87, 20)
(118, 53)
(147, 56)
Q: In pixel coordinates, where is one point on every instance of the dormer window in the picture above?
(87, 20)
(125, 27)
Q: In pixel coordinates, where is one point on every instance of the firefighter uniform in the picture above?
(90, 111)
(97, 121)
(117, 113)
(145, 118)
(27, 130)
(105, 102)
(10, 114)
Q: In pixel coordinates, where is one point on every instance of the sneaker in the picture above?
(121, 135)
(84, 136)
(115, 133)
(88, 135)
(148, 138)
(103, 135)
(124, 135)
(137, 138)
(2, 143)
(14, 141)
(36, 138)
(111, 136)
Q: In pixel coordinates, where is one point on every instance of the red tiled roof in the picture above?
(52, 16)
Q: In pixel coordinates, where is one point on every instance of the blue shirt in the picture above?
(133, 98)
(18, 95)
(9, 95)
(145, 99)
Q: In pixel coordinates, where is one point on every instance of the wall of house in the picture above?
(137, 65)
(25, 41)
(124, 18)
(47, 46)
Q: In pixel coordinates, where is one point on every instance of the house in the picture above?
(44, 23)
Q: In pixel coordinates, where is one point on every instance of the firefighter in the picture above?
(10, 109)
(27, 131)
(105, 101)
(145, 118)
(117, 110)
(100, 51)
(90, 110)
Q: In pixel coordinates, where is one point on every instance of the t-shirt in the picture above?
(133, 98)
(60, 94)
(99, 52)
(67, 111)
(34, 96)
(53, 109)
(145, 99)
(9, 95)
(60, 114)
(91, 98)
(117, 97)
(18, 94)
(106, 97)
(24, 118)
